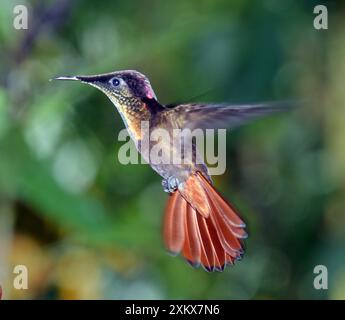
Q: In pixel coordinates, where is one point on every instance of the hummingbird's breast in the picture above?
(158, 138)
(169, 152)
(134, 115)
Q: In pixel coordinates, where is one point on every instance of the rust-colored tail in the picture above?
(212, 238)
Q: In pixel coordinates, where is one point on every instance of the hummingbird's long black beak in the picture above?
(75, 78)
(86, 79)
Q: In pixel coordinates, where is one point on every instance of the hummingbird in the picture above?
(199, 222)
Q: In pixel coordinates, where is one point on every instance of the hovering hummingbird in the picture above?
(198, 222)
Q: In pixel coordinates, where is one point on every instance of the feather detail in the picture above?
(211, 241)
(213, 116)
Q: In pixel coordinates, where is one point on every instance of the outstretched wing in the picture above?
(208, 116)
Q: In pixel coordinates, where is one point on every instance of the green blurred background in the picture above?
(88, 227)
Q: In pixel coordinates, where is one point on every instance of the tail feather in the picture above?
(209, 254)
(187, 249)
(212, 240)
(219, 253)
(228, 239)
(224, 208)
(174, 226)
(193, 236)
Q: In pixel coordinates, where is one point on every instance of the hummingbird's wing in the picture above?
(208, 116)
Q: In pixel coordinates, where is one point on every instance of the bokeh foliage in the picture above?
(88, 227)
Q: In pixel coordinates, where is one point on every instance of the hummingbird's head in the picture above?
(124, 88)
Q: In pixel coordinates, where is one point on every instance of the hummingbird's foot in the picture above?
(170, 184)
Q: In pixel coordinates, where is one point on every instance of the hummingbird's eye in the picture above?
(115, 82)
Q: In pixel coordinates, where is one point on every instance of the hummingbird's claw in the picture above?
(170, 184)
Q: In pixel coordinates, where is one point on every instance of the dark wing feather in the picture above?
(207, 116)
